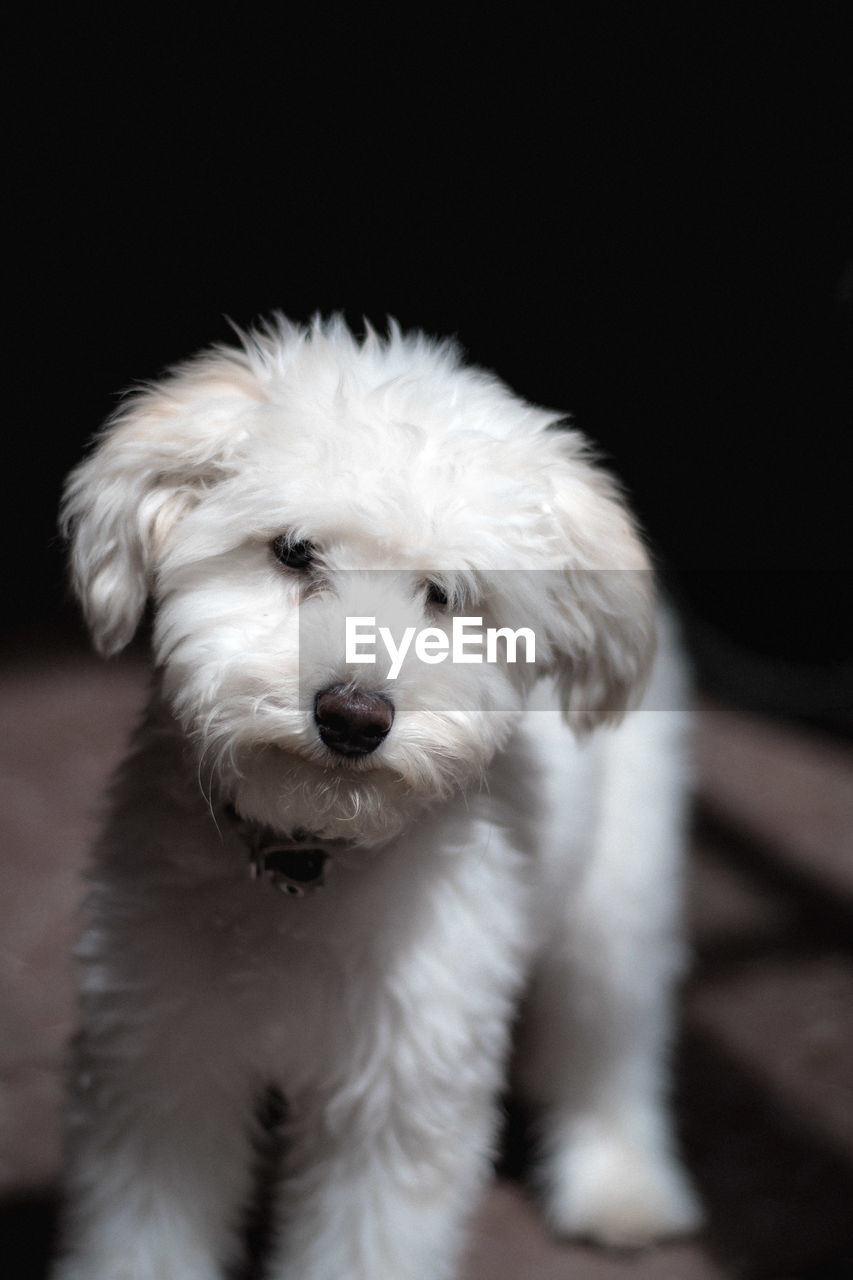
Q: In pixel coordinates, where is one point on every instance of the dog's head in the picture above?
(262, 495)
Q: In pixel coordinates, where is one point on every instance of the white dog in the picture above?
(339, 877)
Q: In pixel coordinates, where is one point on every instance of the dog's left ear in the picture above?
(151, 463)
(601, 625)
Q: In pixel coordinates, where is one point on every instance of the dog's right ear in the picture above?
(148, 466)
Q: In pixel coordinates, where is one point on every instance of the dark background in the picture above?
(639, 213)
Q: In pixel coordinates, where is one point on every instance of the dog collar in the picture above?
(295, 864)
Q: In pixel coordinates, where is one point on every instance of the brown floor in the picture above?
(765, 1065)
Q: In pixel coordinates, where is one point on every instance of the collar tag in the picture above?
(294, 865)
(290, 869)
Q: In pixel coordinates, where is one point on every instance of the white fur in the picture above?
(482, 848)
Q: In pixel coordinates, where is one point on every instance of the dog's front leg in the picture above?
(386, 1196)
(392, 1139)
(158, 1163)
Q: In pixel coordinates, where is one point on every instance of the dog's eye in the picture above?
(436, 595)
(295, 554)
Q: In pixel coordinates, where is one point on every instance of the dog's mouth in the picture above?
(327, 766)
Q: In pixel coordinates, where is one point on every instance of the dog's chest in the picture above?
(377, 957)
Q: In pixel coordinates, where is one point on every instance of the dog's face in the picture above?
(262, 496)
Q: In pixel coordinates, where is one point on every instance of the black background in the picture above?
(638, 213)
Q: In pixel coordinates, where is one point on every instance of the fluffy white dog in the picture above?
(339, 875)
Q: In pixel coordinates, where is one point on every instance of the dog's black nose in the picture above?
(352, 723)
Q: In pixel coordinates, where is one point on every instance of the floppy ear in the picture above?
(601, 623)
(149, 465)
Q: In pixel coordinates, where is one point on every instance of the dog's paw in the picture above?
(616, 1194)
